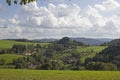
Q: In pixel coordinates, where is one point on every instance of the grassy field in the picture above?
(9, 57)
(8, 43)
(89, 51)
(12, 74)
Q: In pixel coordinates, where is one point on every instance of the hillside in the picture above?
(110, 54)
(89, 52)
(62, 54)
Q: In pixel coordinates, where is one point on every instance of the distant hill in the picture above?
(104, 39)
(92, 41)
(112, 43)
(45, 40)
(87, 41)
(20, 40)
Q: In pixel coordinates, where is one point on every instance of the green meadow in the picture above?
(89, 52)
(9, 43)
(12, 74)
(9, 60)
(9, 57)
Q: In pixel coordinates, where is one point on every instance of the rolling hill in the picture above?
(90, 41)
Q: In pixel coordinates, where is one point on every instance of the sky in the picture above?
(60, 18)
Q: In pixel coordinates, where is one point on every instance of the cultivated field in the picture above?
(12, 74)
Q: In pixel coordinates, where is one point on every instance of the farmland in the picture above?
(9, 60)
(12, 74)
(9, 43)
(90, 51)
(9, 57)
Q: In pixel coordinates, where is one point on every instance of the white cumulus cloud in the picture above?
(55, 21)
(108, 5)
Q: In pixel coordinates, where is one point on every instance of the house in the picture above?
(28, 53)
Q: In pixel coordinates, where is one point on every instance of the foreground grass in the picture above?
(12, 74)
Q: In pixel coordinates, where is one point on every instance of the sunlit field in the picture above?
(12, 74)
